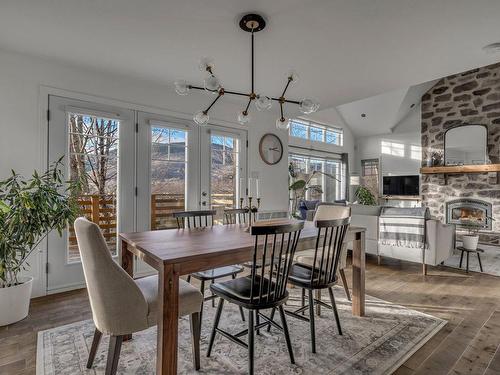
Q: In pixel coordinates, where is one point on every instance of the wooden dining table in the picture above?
(177, 252)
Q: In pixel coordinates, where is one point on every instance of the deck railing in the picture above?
(101, 209)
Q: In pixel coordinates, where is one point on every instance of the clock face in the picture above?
(271, 149)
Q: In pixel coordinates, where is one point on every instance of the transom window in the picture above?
(393, 148)
(315, 132)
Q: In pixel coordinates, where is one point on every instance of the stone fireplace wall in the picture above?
(472, 97)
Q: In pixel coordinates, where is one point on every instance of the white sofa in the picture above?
(440, 238)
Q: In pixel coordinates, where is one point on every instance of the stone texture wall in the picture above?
(472, 97)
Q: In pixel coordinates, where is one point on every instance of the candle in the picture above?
(250, 187)
(257, 188)
(242, 187)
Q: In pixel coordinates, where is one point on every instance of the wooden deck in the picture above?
(468, 344)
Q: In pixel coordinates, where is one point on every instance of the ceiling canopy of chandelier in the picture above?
(251, 23)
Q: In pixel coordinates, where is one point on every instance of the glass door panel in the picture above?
(222, 169)
(92, 139)
(168, 175)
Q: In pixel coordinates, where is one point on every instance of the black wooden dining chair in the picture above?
(235, 215)
(201, 219)
(321, 273)
(264, 288)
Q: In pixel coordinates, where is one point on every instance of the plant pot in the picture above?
(470, 241)
(15, 301)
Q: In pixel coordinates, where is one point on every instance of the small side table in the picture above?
(468, 251)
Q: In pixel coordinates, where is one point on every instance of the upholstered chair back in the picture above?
(118, 305)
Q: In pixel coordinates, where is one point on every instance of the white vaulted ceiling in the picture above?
(344, 50)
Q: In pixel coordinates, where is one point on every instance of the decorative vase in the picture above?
(15, 301)
(470, 241)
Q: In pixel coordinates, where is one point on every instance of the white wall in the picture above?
(406, 132)
(21, 147)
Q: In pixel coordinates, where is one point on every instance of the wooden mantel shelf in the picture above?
(483, 168)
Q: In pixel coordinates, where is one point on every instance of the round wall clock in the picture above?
(270, 149)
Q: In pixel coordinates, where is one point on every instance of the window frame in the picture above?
(324, 132)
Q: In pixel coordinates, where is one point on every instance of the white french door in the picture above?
(182, 166)
(97, 146)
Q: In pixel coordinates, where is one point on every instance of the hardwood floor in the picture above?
(468, 344)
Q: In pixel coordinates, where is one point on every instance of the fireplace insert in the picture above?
(468, 209)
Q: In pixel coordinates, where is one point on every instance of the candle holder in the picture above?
(251, 209)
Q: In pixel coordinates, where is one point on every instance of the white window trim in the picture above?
(308, 124)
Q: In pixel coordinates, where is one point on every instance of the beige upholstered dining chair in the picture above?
(328, 212)
(121, 305)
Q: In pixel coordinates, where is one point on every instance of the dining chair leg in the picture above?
(271, 317)
(257, 320)
(461, 259)
(216, 325)
(115, 345)
(287, 334)
(202, 290)
(318, 306)
(251, 328)
(344, 283)
(195, 339)
(213, 299)
(335, 312)
(311, 321)
(241, 308)
(242, 313)
(93, 348)
(303, 302)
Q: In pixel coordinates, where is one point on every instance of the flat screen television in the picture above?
(401, 185)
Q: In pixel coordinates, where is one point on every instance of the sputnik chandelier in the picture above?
(251, 23)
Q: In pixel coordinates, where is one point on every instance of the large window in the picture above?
(315, 132)
(328, 176)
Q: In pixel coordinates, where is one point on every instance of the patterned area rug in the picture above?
(376, 344)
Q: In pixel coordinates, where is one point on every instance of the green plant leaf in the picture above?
(299, 184)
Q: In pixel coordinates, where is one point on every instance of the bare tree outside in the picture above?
(93, 160)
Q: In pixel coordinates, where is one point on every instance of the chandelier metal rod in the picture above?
(253, 54)
(248, 106)
(210, 106)
(243, 94)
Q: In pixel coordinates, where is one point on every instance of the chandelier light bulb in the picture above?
(263, 103)
(307, 106)
(201, 118)
(243, 118)
(206, 63)
(293, 77)
(181, 87)
(212, 84)
(282, 123)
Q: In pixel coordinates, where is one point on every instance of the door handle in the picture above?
(204, 203)
(204, 193)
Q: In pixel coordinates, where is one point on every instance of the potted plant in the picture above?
(29, 210)
(365, 196)
(472, 225)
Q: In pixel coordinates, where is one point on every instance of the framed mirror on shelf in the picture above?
(466, 145)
